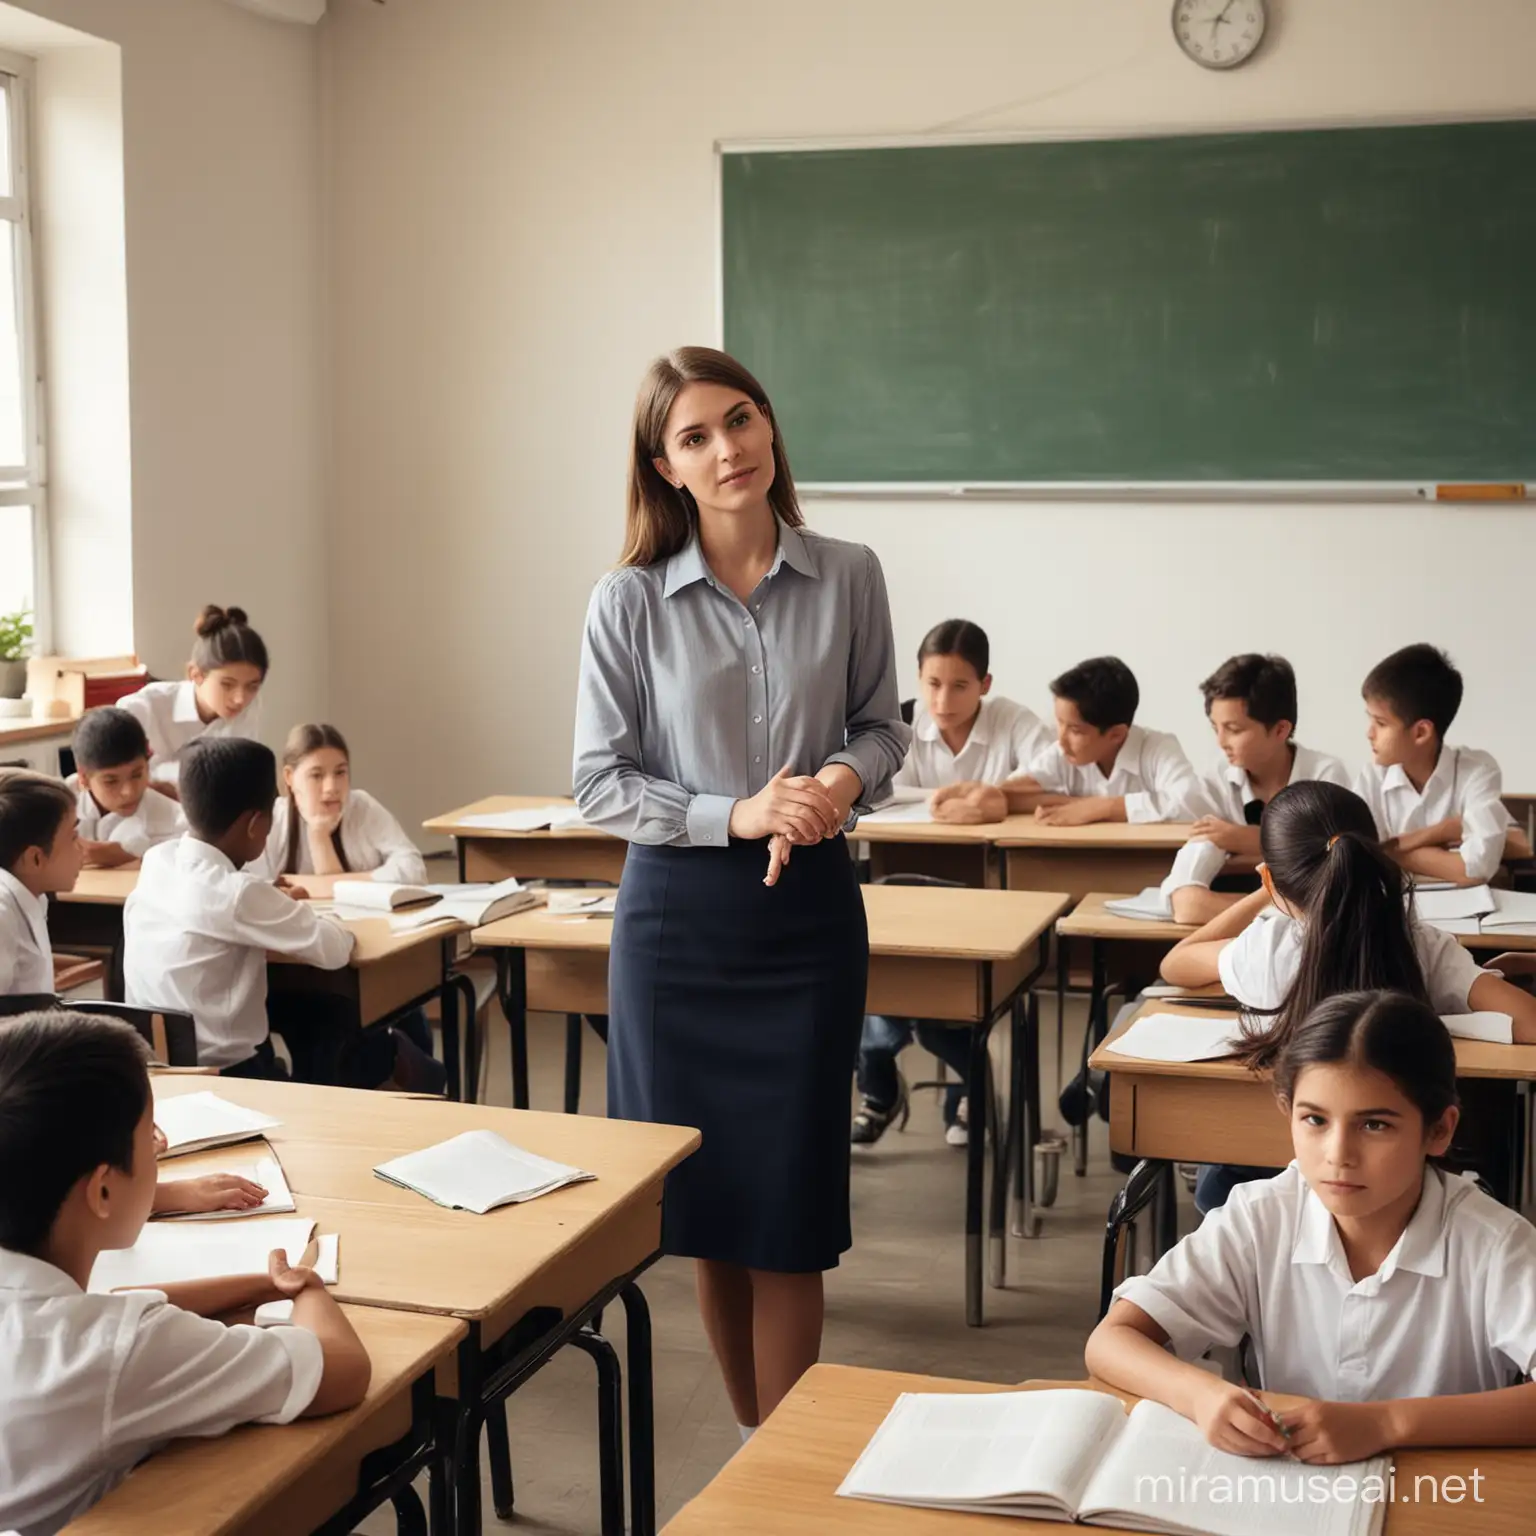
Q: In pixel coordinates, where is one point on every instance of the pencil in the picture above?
(1268, 1412)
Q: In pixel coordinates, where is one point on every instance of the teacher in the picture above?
(737, 702)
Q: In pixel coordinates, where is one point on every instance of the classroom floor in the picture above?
(897, 1302)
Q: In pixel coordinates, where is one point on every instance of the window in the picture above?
(23, 540)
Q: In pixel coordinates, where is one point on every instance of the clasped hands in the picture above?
(792, 809)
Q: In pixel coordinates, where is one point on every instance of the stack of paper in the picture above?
(263, 1169)
(1452, 904)
(474, 905)
(1173, 1037)
(380, 895)
(893, 813)
(168, 1253)
(1513, 912)
(557, 818)
(1152, 905)
(195, 1121)
(582, 903)
(1496, 1028)
(478, 1171)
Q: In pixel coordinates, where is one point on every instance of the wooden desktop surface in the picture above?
(265, 1478)
(450, 824)
(25, 728)
(400, 1250)
(103, 887)
(786, 1477)
(939, 831)
(1161, 836)
(1089, 920)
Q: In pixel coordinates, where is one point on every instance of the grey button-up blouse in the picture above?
(690, 700)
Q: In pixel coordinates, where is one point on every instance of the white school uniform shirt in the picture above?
(1465, 783)
(157, 819)
(26, 956)
(1151, 772)
(1258, 968)
(1005, 739)
(93, 1384)
(168, 713)
(1452, 1308)
(375, 843)
(1228, 792)
(196, 933)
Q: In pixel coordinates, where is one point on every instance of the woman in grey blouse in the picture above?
(737, 707)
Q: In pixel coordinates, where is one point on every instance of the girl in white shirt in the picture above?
(219, 697)
(322, 826)
(964, 744)
(1398, 1300)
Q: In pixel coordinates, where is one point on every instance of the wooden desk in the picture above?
(1108, 856)
(786, 1477)
(525, 1278)
(962, 956)
(936, 848)
(261, 1479)
(91, 917)
(574, 853)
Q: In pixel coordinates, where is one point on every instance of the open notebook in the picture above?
(168, 1252)
(261, 1167)
(379, 895)
(1179, 1037)
(580, 903)
(474, 905)
(477, 1171)
(1077, 1455)
(193, 1122)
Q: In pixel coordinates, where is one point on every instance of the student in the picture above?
(965, 742)
(1400, 1301)
(198, 929)
(322, 826)
(220, 696)
(120, 821)
(1103, 767)
(1437, 808)
(40, 855)
(94, 1383)
(1251, 703)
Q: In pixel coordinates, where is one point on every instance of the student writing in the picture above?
(1251, 704)
(1437, 807)
(220, 696)
(94, 1383)
(1103, 766)
(40, 855)
(1398, 1300)
(119, 820)
(323, 826)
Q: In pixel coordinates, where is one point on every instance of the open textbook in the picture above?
(477, 1171)
(1181, 1037)
(379, 895)
(1477, 909)
(473, 905)
(1069, 1454)
(193, 1122)
(261, 1167)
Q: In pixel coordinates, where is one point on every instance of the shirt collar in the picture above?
(926, 728)
(195, 851)
(184, 704)
(34, 907)
(688, 566)
(1396, 776)
(33, 1277)
(1420, 1249)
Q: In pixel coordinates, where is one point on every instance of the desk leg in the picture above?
(1096, 1003)
(466, 990)
(459, 849)
(1063, 976)
(976, 1172)
(642, 1414)
(610, 1427)
(466, 1440)
(573, 1028)
(1026, 1094)
(512, 984)
(448, 1010)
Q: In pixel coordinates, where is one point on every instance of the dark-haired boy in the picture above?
(94, 1382)
(198, 928)
(1103, 766)
(1437, 808)
(119, 820)
(1250, 701)
(40, 856)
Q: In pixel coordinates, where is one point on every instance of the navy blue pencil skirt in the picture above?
(736, 1008)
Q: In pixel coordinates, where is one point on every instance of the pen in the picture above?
(1267, 1411)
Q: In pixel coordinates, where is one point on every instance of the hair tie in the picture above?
(1332, 840)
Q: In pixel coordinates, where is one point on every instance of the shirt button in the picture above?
(757, 669)
(757, 759)
(757, 719)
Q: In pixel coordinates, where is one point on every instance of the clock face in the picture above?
(1220, 34)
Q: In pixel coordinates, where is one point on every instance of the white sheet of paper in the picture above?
(1152, 905)
(581, 903)
(328, 1257)
(1452, 904)
(1176, 1037)
(893, 813)
(204, 1119)
(262, 1168)
(1497, 1028)
(477, 1171)
(534, 819)
(172, 1251)
(1511, 909)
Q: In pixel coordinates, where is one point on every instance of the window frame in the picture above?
(26, 484)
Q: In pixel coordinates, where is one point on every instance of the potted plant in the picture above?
(15, 642)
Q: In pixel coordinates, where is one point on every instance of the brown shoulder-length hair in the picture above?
(302, 740)
(659, 519)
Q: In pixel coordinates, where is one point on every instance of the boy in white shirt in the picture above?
(197, 931)
(1437, 808)
(40, 855)
(1103, 766)
(93, 1383)
(1250, 701)
(120, 821)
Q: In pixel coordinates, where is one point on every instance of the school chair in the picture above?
(1151, 1184)
(172, 1036)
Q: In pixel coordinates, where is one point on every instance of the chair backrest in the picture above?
(952, 885)
(27, 1002)
(908, 708)
(170, 1035)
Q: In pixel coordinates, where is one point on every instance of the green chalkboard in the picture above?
(1324, 305)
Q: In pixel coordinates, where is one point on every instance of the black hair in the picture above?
(1416, 683)
(958, 637)
(1400, 1036)
(225, 638)
(108, 738)
(223, 777)
(1104, 690)
(32, 809)
(1320, 845)
(1265, 685)
(302, 740)
(73, 1090)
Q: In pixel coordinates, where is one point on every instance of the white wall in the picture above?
(523, 215)
(225, 344)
